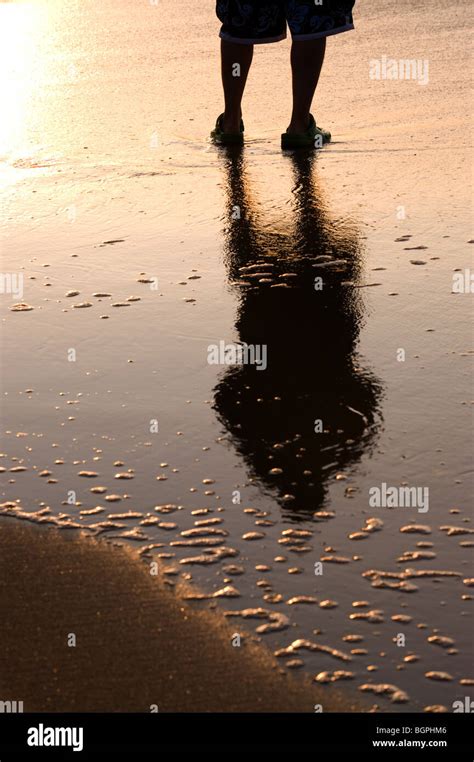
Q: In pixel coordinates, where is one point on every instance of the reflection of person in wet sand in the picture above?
(313, 411)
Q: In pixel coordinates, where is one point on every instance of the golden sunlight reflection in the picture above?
(22, 27)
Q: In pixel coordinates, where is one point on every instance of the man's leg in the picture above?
(307, 58)
(233, 79)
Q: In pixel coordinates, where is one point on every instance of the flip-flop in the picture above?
(314, 137)
(227, 138)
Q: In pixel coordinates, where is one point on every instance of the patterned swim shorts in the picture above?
(257, 21)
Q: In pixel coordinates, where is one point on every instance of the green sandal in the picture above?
(227, 138)
(314, 137)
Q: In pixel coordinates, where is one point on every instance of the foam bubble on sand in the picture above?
(146, 550)
(197, 542)
(296, 599)
(358, 536)
(443, 676)
(322, 515)
(167, 508)
(62, 521)
(441, 640)
(452, 530)
(379, 578)
(203, 531)
(294, 663)
(309, 645)
(105, 526)
(126, 515)
(296, 533)
(21, 307)
(291, 541)
(328, 604)
(233, 569)
(133, 534)
(372, 524)
(225, 592)
(273, 598)
(332, 677)
(208, 522)
(404, 618)
(211, 556)
(403, 585)
(92, 511)
(277, 621)
(415, 555)
(415, 529)
(396, 695)
(375, 616)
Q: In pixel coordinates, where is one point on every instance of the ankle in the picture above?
(299, 123)
(231, 121)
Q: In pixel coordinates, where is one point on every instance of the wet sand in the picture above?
(121, 219)
(137, 644)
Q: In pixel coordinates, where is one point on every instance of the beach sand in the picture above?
(137, 644)
(138, 247)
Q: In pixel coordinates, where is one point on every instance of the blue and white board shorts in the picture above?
(259, 21)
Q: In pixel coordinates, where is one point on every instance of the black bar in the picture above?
(444, 734)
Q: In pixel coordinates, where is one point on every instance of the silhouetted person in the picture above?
(249, 22)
